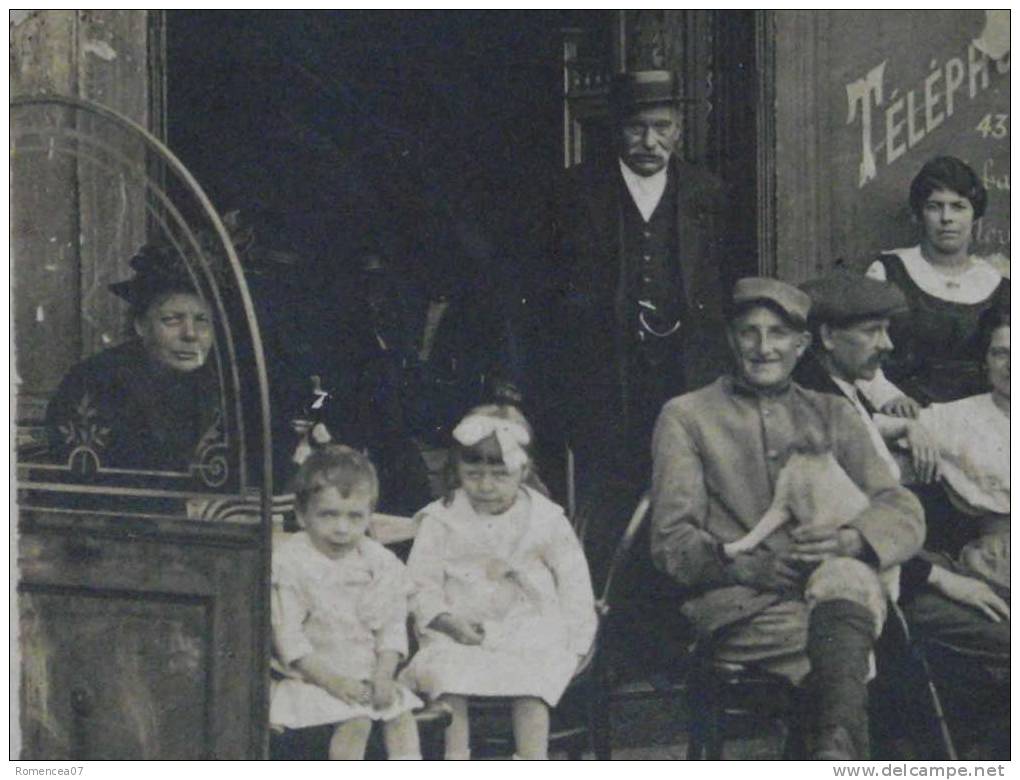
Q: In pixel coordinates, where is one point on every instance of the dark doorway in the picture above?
(734, 136)
(419, 130)
(427, 138)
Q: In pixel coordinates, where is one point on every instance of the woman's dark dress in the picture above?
(937, 344)
(132, 412)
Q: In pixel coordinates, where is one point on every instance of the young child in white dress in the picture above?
(339, 614)
(502, 595)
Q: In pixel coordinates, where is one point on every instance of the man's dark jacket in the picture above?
(593, 346)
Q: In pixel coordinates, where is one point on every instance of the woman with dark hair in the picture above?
(147, 403)
(937, 357)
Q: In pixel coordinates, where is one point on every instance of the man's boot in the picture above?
(839, 647)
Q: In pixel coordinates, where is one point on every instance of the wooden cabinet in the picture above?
(142, 634)
(139, 640)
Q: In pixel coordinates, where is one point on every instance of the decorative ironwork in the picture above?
(211, 456)
(587, 78)
(107, 186)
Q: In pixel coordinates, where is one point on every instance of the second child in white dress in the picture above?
(502, 595)
(339, 613)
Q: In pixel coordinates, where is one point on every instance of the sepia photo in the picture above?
(510, 384)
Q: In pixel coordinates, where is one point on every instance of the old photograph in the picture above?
(510, 384)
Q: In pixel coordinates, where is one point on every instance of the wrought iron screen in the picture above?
(89, 188)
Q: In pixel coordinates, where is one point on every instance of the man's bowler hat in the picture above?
(643, 89)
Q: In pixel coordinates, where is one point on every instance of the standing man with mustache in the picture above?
(637, 303)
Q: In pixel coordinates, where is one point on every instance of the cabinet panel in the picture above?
(115, 675)
(140, 641)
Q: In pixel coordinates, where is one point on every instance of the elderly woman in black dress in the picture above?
(937, 355)
(147, 403)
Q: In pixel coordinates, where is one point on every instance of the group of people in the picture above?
(496, 583)
(886, 388)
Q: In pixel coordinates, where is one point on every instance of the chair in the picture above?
(612, 686)
(603, 692)
(718, 692)
(722, 693)
(903, 661)
(711, 690)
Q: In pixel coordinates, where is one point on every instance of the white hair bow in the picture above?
(512, 436)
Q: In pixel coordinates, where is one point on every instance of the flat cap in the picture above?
(843, 297)
(642, 88)
(794, 302)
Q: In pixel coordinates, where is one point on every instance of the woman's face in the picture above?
(997, 360)
(177, 331)
(947, 218)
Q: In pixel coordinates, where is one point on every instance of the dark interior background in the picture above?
(432, 136)
(430, 133)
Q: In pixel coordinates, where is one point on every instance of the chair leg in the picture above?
(602, 735)
(706, 733)
(598, 713)
(795, 744)
(696, 744)
(696, 738)
(716, 729)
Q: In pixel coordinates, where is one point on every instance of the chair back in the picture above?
(622, 552)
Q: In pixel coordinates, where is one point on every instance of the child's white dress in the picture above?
(523, 577)
(349, 609)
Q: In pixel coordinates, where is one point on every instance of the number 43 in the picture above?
(994, 125)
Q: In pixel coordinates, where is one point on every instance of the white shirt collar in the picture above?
(974, 285)
(645, 190)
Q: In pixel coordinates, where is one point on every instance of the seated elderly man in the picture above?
(783, 606)
(945, 603)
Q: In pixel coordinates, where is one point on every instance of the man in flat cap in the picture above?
(636, 288)
(783, 607)
(850, 320)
